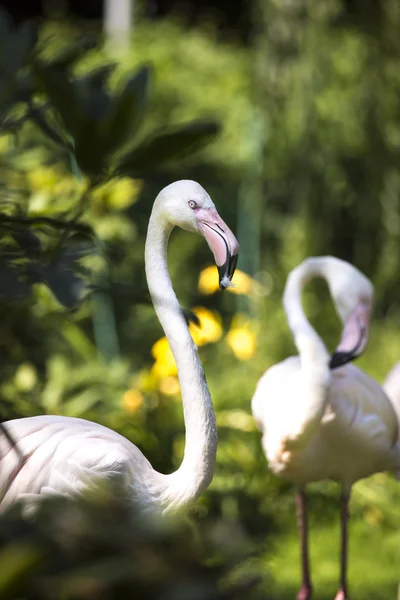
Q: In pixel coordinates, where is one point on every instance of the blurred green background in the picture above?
(299, 147)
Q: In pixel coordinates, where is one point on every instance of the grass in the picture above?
(374, 562)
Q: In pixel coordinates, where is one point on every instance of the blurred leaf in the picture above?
(16, 46)
(81, 403)
(101, 546)
(63, 276)
(127, 113)
(61, 93)
(17, 561)
(42, 120)
(28, 241)
(24, 41)
(7, 95)
(78, 340)
(102, 571)
(62, 281)
(72, 53)
(107, 123)
(89, 142)
(11, 283)
(97, 77)
(168, 146)
(25, 85)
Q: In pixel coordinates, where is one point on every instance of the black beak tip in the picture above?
(338, 359)
(226, 271)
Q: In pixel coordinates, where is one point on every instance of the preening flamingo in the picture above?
(63, 455)
(320, 417)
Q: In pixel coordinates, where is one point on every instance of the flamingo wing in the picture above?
(62, 455)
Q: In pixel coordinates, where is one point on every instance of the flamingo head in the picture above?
(352, 294)
(187, 205)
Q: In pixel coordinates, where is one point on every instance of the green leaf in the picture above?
(73, 52)
(97, 77)
(167, 147)
(25, 85)
(127, 112)
(16, 48)
(11, 284)
(25, 37)
(7, 98)
(105, 125)
(89, 143)
(41, 119)
(61, 277)
(63, 96)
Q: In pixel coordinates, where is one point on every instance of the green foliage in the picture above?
(95, 133)
(99, 126)
(97, 546)
(76, 122)
(166, 146)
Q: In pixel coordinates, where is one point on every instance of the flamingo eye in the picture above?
(192, 204)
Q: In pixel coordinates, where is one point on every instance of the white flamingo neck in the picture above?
(311, 348)
(314, 356)
(197, 468)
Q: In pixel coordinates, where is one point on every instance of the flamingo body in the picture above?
(356, 437)
(391, 385)
(64, 453)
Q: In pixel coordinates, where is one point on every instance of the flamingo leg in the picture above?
(305, 591)
(342, 593)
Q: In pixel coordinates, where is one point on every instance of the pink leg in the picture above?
(305, 591)
(342, 593)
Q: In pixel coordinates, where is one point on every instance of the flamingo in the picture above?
(64, 455)
(320, 417)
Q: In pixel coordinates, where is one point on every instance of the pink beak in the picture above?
(354, 337)
(221, 242)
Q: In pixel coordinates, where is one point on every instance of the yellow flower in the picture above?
(242, 338)
(132, 400)
(209, 330)
(208, 281)
(160, 348)
(169, 386)
(164, 365)
(241, 282)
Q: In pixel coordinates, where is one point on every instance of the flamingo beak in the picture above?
(354, 337)
(221, 242)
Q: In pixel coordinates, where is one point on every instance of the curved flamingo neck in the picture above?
(314, 356)
(197, 468)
